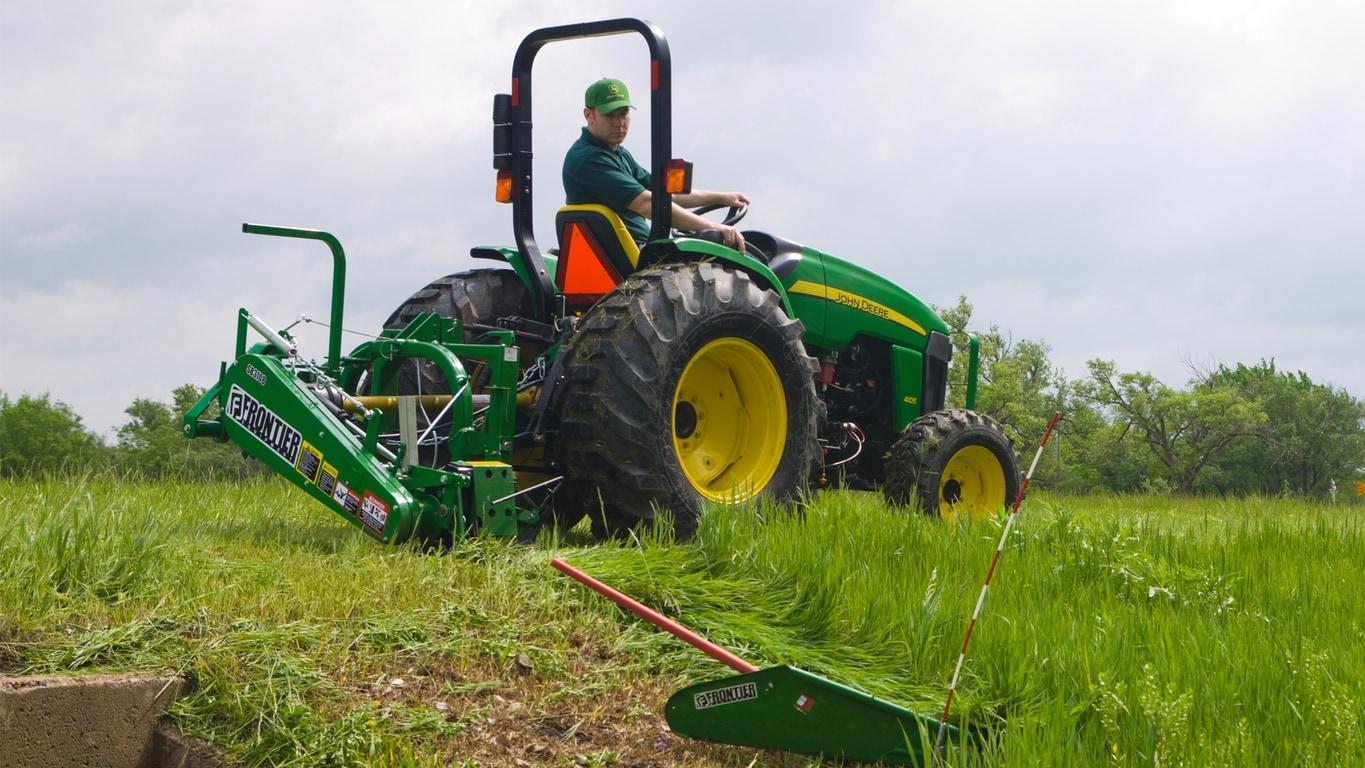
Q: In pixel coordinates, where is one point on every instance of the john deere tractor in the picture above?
(610, 380)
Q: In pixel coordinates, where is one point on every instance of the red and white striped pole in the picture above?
(981, 599)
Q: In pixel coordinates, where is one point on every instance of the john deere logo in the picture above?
(613, 89)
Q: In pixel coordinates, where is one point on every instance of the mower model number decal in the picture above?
(255, 373)
(310, 461)
(373, 512)
(722, 696)
(327, 478)
(264, 425)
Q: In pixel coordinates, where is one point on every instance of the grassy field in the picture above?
(1123, 631)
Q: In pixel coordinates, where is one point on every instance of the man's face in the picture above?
(609, 127)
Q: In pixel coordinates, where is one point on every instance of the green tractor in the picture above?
(608, 380)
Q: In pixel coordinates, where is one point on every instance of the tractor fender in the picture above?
(688, 249)
(526, 273)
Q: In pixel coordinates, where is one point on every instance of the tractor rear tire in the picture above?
(479, 296)
(688, 384)
(476, 297)
(952, 463)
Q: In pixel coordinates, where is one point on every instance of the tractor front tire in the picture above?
(952, 463)
(688, 384)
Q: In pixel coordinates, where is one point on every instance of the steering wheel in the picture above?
(732, 217)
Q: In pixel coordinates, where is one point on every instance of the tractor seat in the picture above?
(596, 252)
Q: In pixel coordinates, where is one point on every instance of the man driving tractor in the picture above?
(598, 170)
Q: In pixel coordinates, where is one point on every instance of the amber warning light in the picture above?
(504, 189)
(679, 177)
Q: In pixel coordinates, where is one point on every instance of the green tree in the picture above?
(1017, 383)
(1313, 434)
(38, 434)
(1185, 430)
(150, 442)
(958, 318)
(1021, 388)
(1087, 454)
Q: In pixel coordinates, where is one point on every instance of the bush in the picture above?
(40, 435)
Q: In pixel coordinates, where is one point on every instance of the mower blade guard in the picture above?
(790, 709)
(272, 416)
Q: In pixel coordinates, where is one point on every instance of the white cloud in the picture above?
(63, 236)
(1142, 182)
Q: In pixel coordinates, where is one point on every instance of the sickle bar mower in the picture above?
(787, 708)
(344, 434)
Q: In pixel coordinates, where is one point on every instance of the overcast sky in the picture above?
(1148, 182)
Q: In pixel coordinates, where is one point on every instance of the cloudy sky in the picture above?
(1156, 183)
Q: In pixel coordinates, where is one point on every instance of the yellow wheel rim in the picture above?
(972, 483)
(729, 420)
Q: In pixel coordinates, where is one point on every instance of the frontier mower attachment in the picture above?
(345, 434)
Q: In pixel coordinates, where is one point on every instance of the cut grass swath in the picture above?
(784, 707)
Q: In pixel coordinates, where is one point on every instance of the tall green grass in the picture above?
(1138, 631)
(1123, 631)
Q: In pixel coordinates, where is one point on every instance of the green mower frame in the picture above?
(500, 400)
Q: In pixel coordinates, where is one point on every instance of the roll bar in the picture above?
(512, 133)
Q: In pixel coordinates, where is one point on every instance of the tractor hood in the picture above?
(837, 300)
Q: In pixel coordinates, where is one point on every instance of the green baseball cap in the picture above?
(607, 95)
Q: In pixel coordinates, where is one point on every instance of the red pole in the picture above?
(657, 619)
(981, 599)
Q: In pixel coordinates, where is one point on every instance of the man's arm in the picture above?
(688, 221)
(699, 197)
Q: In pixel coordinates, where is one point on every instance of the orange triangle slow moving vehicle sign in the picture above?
(585, 276)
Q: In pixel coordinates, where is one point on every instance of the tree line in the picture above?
(1231, 430)
(39, 435)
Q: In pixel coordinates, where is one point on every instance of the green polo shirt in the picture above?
(595, 173)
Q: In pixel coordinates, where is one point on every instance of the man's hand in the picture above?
(732, 199)
(690, 222)
(731, 236)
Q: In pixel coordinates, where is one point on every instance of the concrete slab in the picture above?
(95, 721)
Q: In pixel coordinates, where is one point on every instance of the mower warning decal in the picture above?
(728, 695)
(373, 512)
(264, 425)
(310, 461)
(327, 478)
(347, 498)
